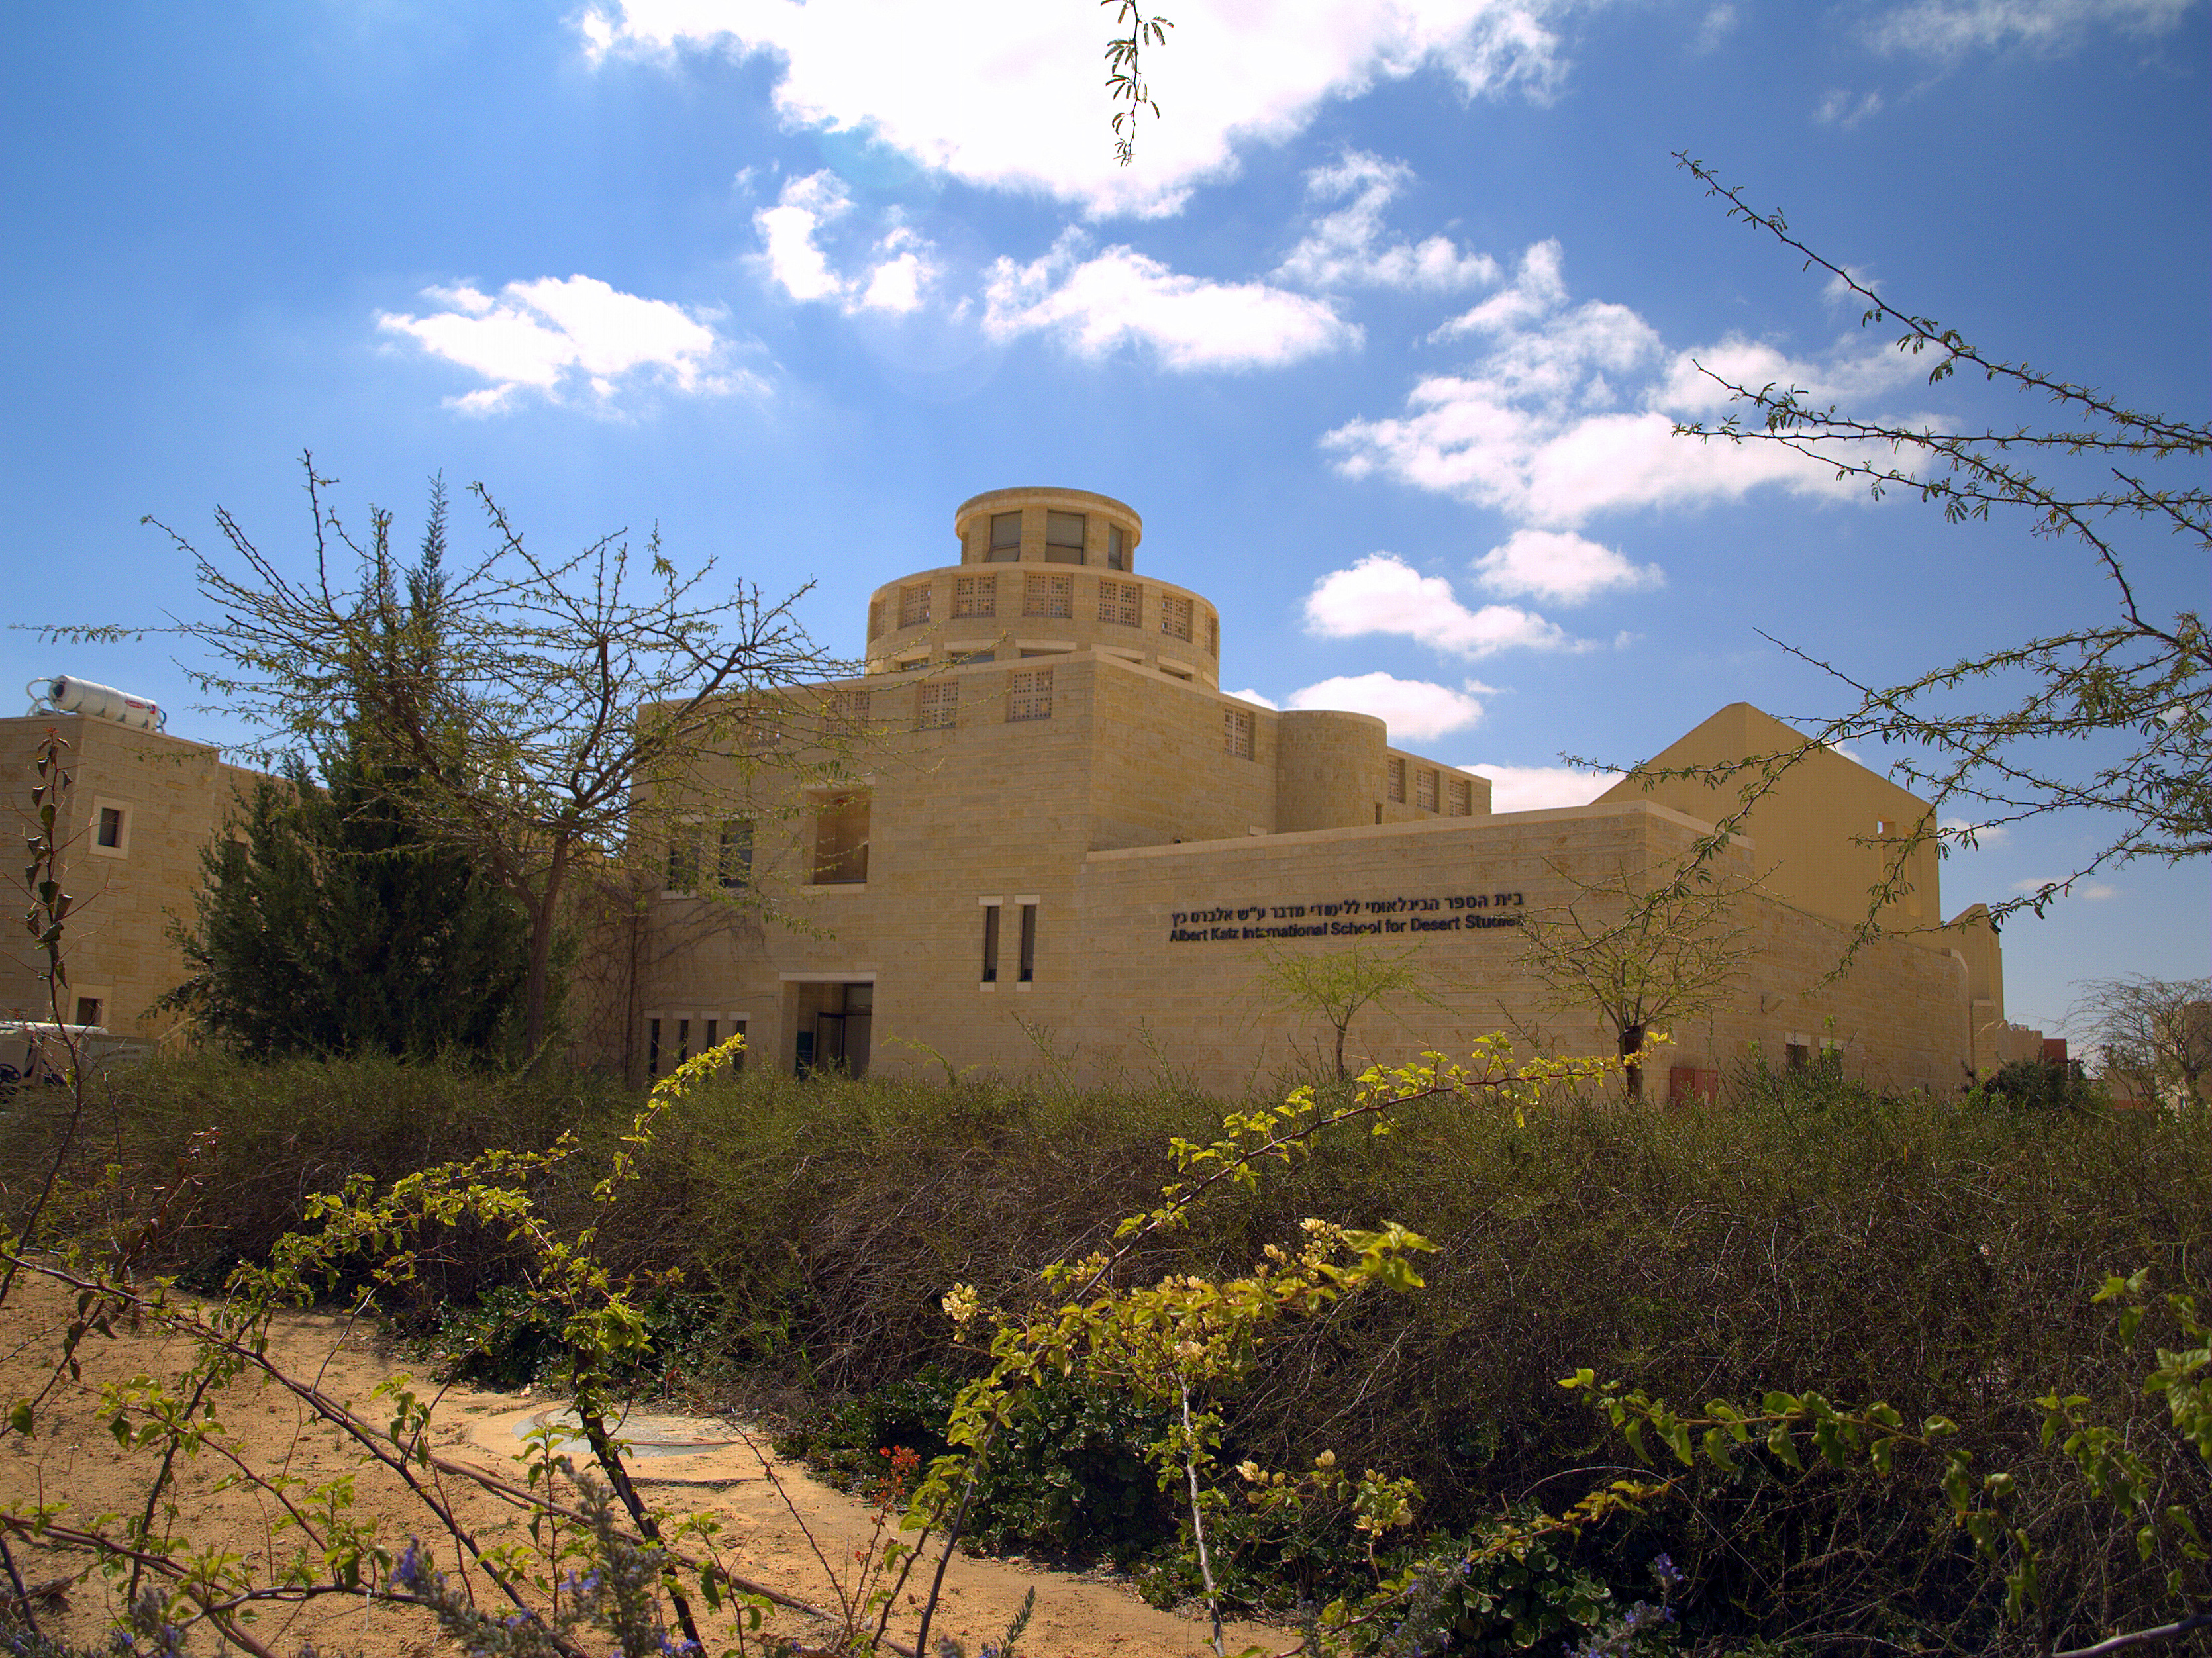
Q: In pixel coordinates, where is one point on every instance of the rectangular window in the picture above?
(991, 944)
(1394, 781)
(1213, 635)
(89, 1009)
(734, 864)
(1237, 732)
(1121, 604)
(1029, 943)
(1005, 538)
(1048, 595)
(1425, 789)
(975, 595)
(1175, 616)
(738, 1029)
(1063, 538)
(840, 840)
(1117, 552)
(1461, 796)
(937, 705)
(914, 605)
(111, 827)
(708, 1042)
(684, 863)
(652, 1048)
(875, 618)
(1029, 693)
(682, 1040)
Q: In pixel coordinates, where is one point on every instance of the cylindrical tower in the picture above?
(1043, 572)
(1328, 768)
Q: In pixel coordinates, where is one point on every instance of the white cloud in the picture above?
(1720, 21)
(1986, 834)
(1838, 108)
(1415, 709)
(2095, 891)
(1123, 297)
(1344, 248)
(1010, 99)
(1572, 411)
(1560, 566)
(1383, 595)
(795, 260)
(555, 336)
(1255, 696)
(1542, 788)
(1950, 29)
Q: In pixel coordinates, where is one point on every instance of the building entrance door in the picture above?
(838, 1033)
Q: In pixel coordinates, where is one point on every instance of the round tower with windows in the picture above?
(1043, 572)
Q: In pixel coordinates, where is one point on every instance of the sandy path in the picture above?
(691, 1466)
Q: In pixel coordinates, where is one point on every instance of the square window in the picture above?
(1237, 732)
(1425, 789)
(1121, 604)
(975, 596)
(1029, 693)
(1394, 782)
(87, 1010)
(937, 705)
(914, 605)
(1048, 595)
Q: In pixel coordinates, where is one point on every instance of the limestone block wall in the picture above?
(173, 797)
(1155, 623)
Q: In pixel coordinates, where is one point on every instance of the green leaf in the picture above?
(19, 1417)
(1779, 1442)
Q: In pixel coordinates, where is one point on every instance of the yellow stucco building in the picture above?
(1059, 844)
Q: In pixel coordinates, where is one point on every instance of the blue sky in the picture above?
(1382, 333)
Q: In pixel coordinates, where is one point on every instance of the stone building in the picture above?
(1056, 844)
(141, 807)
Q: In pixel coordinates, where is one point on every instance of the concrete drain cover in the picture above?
(647, 1436)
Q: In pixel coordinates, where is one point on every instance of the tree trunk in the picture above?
(544, 916)
(1631, 1041)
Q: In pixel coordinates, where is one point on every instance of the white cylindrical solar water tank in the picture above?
(70, 694)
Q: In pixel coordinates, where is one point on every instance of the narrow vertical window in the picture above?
(990, 943)
(707, 1043)
(1213, 635)
(1029, 943)
(875, 618)
(652, 1048)
(733, 865)
(682, 1040)
(1117, 552)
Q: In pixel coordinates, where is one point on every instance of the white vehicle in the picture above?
(38, 1050)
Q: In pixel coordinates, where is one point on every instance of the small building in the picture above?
(1057, 845)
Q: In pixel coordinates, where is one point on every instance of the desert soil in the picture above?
(688, 1464)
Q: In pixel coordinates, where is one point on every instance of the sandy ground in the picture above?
(685, 1464)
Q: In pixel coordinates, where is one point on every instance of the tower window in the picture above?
(1063, 538)
(1005, 538)
(1213, 635)
(1117, 550)
(875, 618)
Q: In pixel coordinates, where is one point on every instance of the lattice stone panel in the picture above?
(914, 606)
(1425, 789)
(937, 705)
(1029, 693)
(1048, 595)
(1394, 784)
(975, 596)
(1175, 616)
(1121, 604)
(1237, 732)
(1460, 794)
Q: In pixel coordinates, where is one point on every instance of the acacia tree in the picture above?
(546, 712)
(1638, 952)
(2114, 716)
(1338, 986)
(2154, 1034)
